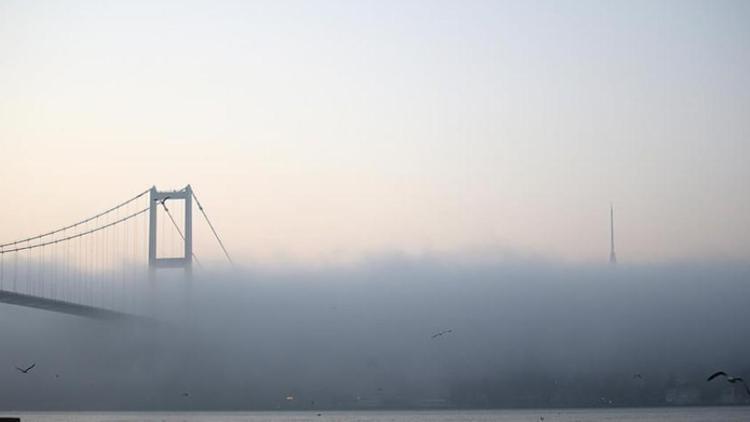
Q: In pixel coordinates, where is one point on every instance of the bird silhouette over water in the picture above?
(438, 334)
(26, 371)
(639, 376)
(730, 379)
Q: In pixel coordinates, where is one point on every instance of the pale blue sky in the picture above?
(327, 131)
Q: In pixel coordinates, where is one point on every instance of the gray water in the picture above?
(690, 414)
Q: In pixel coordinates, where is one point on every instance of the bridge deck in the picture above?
(60, 306)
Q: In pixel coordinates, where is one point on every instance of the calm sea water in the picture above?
(713, 414)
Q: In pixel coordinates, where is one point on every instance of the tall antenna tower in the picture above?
(612, 256)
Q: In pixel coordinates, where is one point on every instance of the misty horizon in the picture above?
(409, 211)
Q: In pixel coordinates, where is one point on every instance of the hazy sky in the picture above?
(328, 131)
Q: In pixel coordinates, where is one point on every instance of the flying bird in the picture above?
(730, 379)
(26, 371)
(436, 335)
(639, 376)
(185, 394)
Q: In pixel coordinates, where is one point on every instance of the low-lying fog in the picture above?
(523, 334)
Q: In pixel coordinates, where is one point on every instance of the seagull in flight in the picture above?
(639, 376)
(26, 371)
(730, 379)
(436, 335)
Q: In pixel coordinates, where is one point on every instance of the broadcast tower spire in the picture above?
(612, 256)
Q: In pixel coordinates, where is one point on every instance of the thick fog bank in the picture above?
(360, 337)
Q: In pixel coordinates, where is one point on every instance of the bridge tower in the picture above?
(159, 198)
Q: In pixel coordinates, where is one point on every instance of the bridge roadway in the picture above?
(60, 306)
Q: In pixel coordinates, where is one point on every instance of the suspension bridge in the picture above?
(101, 266)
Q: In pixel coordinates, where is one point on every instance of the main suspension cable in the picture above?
(179, 231)
(200, 207)
(76, 224)
(78, 235)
